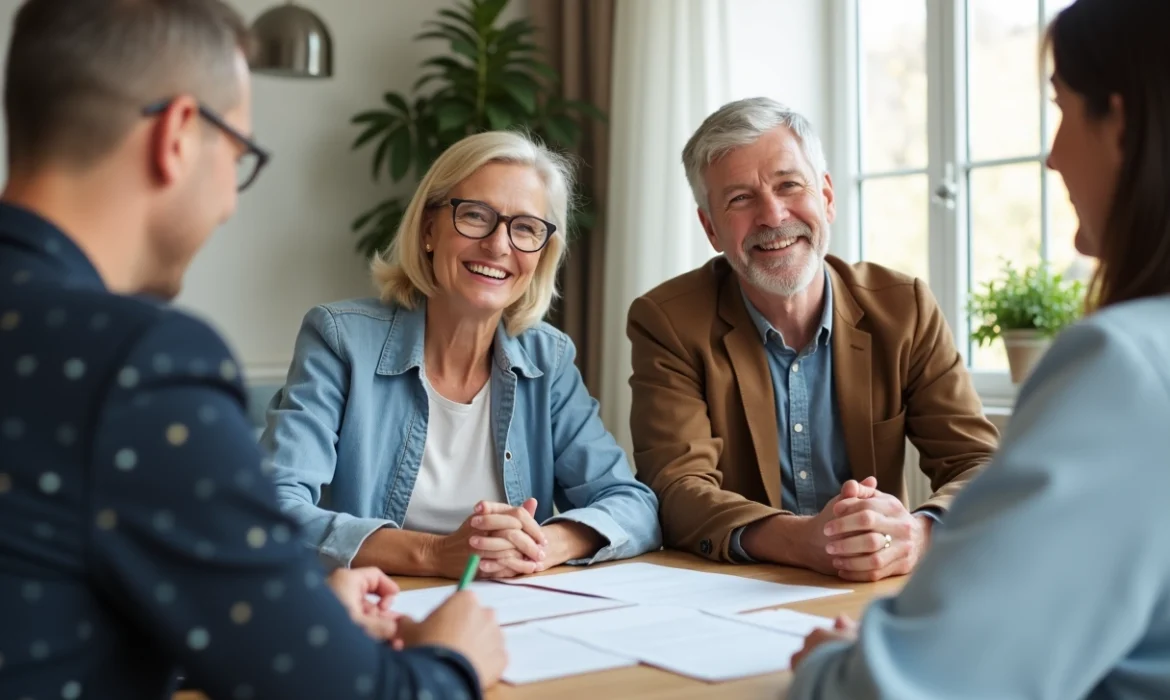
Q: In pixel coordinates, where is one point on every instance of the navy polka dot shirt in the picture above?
(139, 538)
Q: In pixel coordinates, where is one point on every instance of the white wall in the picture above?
(289, 246)
(779, 49)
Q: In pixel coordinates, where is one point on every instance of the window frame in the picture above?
(948, 148)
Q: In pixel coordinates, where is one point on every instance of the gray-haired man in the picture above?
(775, 387)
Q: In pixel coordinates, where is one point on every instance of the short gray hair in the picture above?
(742, 123)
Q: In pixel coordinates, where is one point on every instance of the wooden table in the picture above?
(646, 683)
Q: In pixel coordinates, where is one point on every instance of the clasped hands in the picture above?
(849, 537)
(510, 542)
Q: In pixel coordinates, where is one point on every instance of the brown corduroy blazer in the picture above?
(703, 416)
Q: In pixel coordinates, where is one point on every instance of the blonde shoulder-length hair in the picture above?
(403, 273)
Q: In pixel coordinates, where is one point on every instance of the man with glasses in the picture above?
(139, 534)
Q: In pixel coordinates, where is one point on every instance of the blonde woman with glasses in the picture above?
(445, 418)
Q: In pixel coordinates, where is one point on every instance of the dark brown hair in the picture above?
(80, 71)
(1102, 48)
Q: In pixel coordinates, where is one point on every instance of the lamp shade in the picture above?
(292, 42)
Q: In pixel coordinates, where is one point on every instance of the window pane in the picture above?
(1062, 229)
(892, 34)
(1005, 225)
(895, 218)
(1004, 78)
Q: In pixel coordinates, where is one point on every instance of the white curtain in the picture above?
(671, 69)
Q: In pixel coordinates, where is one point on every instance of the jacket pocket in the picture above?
(892, 429)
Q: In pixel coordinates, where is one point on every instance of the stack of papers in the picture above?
(687, 642)
(691, 623)
(512, 604)
(651, 584)
(535, 655)
(788, 621)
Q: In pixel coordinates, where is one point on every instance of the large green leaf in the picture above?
(465, 48)
(498, 117)
(371, 131)
(374, 115)
(380, 156)
(488, 11)
(515, 29)
(448, 31)
(453, 114)
(360, 222)
(511, 44)
(534, 65)
(465, 19)
(427, 80)
(563, 131)
(401, 152)
(448, 65)
(522, 92)
(398, 102)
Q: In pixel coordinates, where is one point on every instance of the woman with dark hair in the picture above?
(1050, 577)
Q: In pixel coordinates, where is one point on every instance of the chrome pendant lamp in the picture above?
(292, 42)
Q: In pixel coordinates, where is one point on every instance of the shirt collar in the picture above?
(404, 346)
(764, 326)
(39, 238)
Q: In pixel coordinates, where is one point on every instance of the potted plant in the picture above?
(1026, 309)
(492, 78)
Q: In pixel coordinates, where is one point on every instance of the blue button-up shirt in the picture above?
(813, 463)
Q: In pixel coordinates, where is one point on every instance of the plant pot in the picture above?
(1024, 350)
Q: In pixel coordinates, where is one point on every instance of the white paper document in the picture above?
(687, 642)
(790, 621)
(535, 655)
(651, 584)
(512, 603)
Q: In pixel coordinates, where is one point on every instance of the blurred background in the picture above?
(936, 118)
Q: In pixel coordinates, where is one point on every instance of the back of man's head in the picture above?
(79, 72)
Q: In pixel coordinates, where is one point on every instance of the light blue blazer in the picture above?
(353, 417)
(1050, 577)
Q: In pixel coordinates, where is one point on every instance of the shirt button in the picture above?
(507, 456)
(795, 366)
(798, 428)
(803, 475)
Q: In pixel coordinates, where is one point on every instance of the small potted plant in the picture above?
(1026, 309)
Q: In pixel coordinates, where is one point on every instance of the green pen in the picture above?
(469, 572)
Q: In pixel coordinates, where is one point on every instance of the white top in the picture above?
(458, 465)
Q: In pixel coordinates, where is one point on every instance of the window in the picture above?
(950, 125)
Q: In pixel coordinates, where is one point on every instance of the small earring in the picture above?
(428, 247)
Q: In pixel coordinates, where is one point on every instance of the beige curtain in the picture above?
(578, 36)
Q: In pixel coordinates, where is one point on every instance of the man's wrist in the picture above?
(926, 523)
(780, 539)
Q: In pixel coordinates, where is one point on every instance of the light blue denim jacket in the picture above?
(352, 417)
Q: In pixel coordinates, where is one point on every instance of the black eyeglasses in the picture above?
(477, 220)
(250, 162)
